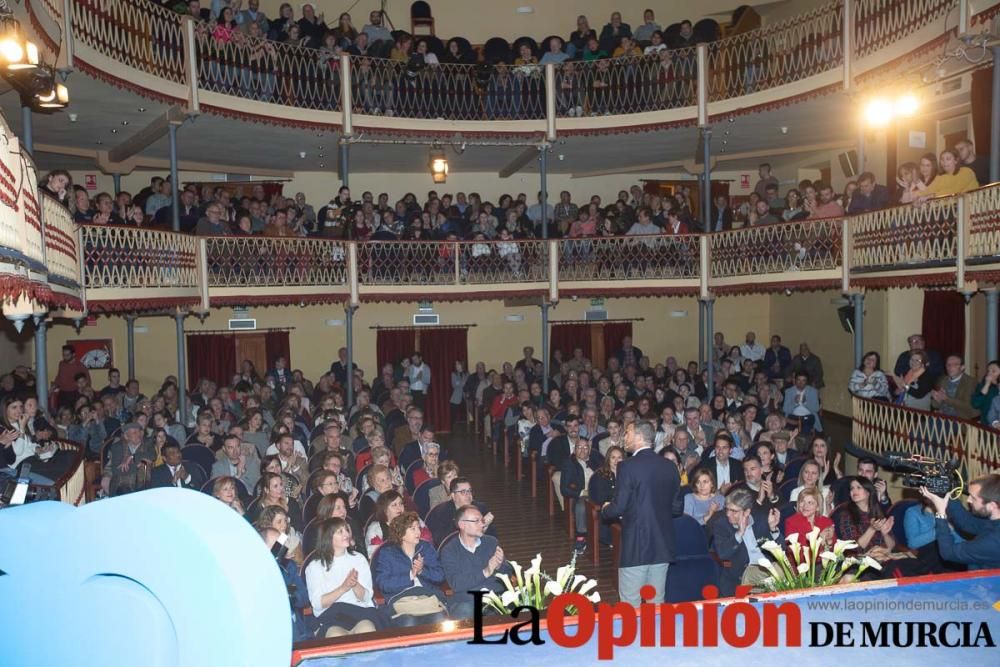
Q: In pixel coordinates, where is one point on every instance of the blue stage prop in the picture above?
(165, 577)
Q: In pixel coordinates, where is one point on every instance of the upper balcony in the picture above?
(140, 46)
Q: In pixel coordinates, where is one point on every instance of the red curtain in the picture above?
(391, 345)
(944, 322)
(565, 337)
(441, 348)
(211, 356)
(981, 98)
(613, 334)
(276, 345)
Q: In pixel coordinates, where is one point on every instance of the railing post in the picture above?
(67, 34)
(82, 267)
(545, 351)
(202, 259)
(175, 199)
(550, 102)
(701, 334)
(961, 242)
(543, 174)
(349, 316)
(553, 271)
(181, 370)
(704, 266)
(346, 97)
(847, 31)
(352, 272)
(710, 331)
(963, 18)
(991, 323)
(859, 328)
(701, 52)
(130, 339)
(27, 138)
(845, 256)
(457, 249)
(995, 118)
(41, 363)
(190, 41)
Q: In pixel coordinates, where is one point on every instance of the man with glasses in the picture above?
(471, 560)
(646, 484)
(736, 534)
(213, 223)
(442, 522)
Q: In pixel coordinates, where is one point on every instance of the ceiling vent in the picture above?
(248, 324)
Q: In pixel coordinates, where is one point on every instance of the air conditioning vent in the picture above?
(243, 325)
(426, 319)
(596, 315)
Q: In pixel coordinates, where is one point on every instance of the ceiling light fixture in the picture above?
(439, 165)
(21, 67)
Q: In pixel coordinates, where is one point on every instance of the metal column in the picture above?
(349, 312)
(27, 140)
(706, 196)
(544, 176)
(117, 179)
(859, 328)
(181, 371)
(175, 199)
(41, 363)
(701, 334)
(345, 164)
(991, 323)
(995, 123)
(545, 348)
(710, 330)
(861, 150)
(130, 333)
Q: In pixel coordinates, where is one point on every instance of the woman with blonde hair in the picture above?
(810, 478)
(809, 516)
(224, 489)
(274, 516)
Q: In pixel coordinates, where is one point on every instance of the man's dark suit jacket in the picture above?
(727, 218)
(735, 467)
(644, 493)
(728, 549)
(571, 482)
(161, 477)
(559, 452)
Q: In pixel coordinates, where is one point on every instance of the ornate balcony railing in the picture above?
(791, 50)
(880, 428)
(247, 261)
(917, 242)
(813, 245)
(151, 39)
(62, 255)
(128, 258)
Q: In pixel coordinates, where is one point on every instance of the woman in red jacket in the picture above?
(809, 517)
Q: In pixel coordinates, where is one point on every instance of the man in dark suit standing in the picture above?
(722, 215)
(736, 534)
(173, 472)
(646, 487)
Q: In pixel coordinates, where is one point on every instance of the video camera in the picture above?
(940, 477)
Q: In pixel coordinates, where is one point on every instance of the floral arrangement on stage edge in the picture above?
(812, 565)
(535, 588)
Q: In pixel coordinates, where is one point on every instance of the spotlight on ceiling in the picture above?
(438, 165)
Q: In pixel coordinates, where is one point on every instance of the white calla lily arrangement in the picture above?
(812, 565)
(534, 588)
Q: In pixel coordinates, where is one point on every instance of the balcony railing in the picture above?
(151, 39)
(880, 428)
(920, 242)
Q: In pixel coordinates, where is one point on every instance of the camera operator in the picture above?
(982, 520)
(298, 597)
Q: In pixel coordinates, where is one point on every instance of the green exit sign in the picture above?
(597, 302)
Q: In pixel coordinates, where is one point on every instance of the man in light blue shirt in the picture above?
(555, 54)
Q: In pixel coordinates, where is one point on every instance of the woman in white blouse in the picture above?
(868, 380)
(339, 582)
(14, 434)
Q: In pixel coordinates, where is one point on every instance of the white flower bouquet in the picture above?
(535, 588)
(812, 565)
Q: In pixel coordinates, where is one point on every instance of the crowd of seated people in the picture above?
(396, 73)
(217, 211)
(325, 479)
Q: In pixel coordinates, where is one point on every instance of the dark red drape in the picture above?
(391, 345)
(613, 334)
(944, 322)
(211, 356)
(565, 337)
(441, 348)
(981, 98)
(276, 345)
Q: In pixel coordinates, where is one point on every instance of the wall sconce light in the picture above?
(439, 165)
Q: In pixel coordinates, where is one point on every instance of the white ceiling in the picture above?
(101, 108)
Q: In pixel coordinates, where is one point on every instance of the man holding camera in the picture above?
(982, 520)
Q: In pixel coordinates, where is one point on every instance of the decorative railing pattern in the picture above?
(881, 428)
(126, 257)
(629, 258)
(918, 234)
(794, 49)
(145, 36)
(28, 203)
(140, 34)
(241, 261)
(812, 245)
(452, 262)
(665, 79)
(12, 227)
(983, 209)
(878, 23)
(60, 240)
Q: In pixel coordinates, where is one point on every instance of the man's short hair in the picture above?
(68, 348)
(460, 513)
(455, 482)
(863, 461)
(752, 457)
(741, 497)
(646, 431)
(866, 176)
(170, 444)
(762, 165)
(989, 488)
(723, 437)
